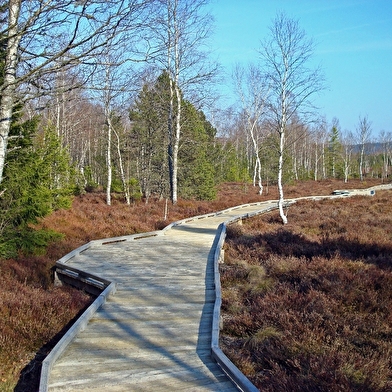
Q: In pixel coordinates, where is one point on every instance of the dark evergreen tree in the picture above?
(37, 180)
(149, 138)
(196, 170)
(334, 152)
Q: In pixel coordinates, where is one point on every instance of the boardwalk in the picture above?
(154, 333)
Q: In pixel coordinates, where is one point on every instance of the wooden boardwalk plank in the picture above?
(154, 334)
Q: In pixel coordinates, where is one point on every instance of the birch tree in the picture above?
(364, 132)
(108, 119)
(347, 151)
(115, 83)
(253, 92)
(180, 30)
(41, 37)
(320, 138)
(385, 139)
(286, 54)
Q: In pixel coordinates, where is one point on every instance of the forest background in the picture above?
(122, 98)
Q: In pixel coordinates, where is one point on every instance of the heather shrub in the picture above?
(30, 318)
(234, 231)
(30, 277)
(323, 322)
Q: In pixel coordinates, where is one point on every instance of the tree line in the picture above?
(118, 96)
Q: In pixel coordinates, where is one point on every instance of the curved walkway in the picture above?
(156, 332)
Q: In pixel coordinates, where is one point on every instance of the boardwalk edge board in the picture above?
(79, 325)
(106, 287)
(235, 375)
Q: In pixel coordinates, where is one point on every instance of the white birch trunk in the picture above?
(257, 167)
(316, 162)
(323, 161)
(385, 165)
(282, 131)
(109, 163)
(109, 134)
(171, 103)
(122, 172)
(9, 85)
(177, 135)
(295, 161)
(174, 130)
(280, 174)
(170, 139)
(346, 166)
(346, 163)
(176, 146)
(361, 161)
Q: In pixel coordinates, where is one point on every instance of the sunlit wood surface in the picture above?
(154, 333)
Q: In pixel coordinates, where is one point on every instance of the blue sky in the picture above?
(353, 41)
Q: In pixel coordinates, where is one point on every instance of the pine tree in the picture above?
(196, 172)
(148, 138)
(334, 152)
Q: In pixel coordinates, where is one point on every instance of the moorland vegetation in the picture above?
(307, 306)
(34, 313)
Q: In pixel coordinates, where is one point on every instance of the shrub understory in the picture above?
(307, 306)
(34, 314)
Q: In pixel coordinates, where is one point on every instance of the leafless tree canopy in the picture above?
(286, 55)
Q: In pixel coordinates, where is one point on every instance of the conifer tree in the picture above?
(196, 171)
(149, 138)
(196, 174)
(37, 179)
(334, 150)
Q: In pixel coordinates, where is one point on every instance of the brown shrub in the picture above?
(90, 218)
(324, 323)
